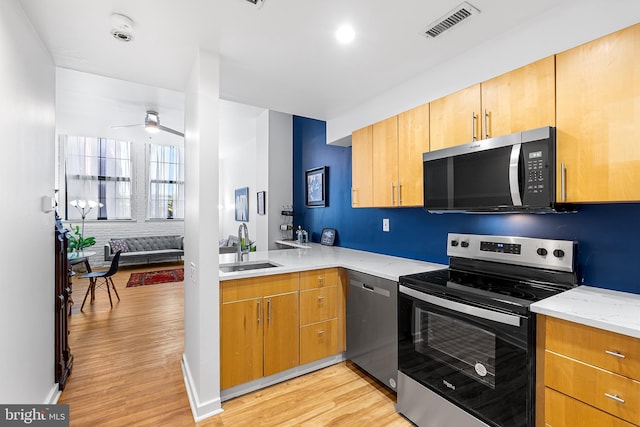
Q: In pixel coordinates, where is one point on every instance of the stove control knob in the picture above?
(464, 244)
(454, 243)
(558, 253)
(542, 252)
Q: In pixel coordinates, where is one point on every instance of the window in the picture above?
(166, 182)
(98, 169)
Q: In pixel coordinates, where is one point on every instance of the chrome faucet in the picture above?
(243, 231)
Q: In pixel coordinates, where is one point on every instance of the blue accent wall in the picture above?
(608, 235)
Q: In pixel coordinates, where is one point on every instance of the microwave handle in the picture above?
(514, 173)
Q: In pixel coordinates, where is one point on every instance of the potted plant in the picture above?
(77, 242)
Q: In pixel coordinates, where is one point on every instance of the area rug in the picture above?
(155, 277)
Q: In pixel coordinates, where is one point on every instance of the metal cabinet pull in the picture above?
(259, 312)
(353, 199)
(614, 397)
(486, 128)
(615, 353)
(269, 310)
(473, 126)
(320, 280)
(563, 182)
(399, 194)
(393, 190)
(320, 332)
(320, 298)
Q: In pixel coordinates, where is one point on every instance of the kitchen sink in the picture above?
(243, 266)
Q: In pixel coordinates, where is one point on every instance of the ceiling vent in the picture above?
(258, 3)
(461, 13)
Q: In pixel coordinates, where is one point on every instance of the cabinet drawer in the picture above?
(608, 350)
(594, 386)
(318, 340)
(255, 287)
(318, 278)
(318, 304)
(563, 411)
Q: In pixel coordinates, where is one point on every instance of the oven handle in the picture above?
(507, 319)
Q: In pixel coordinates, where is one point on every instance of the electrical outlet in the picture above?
(385, 224)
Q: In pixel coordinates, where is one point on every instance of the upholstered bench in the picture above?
(145, 248)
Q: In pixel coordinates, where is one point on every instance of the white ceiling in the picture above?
(282, 56)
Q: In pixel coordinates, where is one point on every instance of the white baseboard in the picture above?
(199, 410)
(54, 395)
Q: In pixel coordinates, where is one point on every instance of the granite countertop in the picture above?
(317, 256)
(601, 308)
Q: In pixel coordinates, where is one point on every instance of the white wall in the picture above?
(280, 172)
(264, 163)
(90, 105)
(201, 358)
(570, 24)
(27, 105)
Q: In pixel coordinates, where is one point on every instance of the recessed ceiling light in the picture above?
(345, 34)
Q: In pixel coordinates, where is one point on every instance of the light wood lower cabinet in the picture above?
(564, 411)
(591, 376)
(269, 324)
(259, 333)
(321, 314)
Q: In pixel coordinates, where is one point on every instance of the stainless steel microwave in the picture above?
(515, 172)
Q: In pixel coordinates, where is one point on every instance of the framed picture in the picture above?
(242, 204)
(262, 195)
(315, 185)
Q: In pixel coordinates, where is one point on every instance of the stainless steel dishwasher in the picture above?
(372, 326)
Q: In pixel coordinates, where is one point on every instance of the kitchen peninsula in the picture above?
(288, 317)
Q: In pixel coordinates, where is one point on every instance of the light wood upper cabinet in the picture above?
(361, 168)
(413, 141)
(455, 118)
(396, 149)
(519, 100)
(598, 119)
(385, 162)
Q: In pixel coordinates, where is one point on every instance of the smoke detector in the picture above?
(454, 17)
(121, 27)
(258, 3)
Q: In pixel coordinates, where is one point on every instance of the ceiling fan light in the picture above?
(151, 128)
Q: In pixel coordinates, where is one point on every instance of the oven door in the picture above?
(477, 358)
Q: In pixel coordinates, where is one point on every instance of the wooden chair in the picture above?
(106, 275)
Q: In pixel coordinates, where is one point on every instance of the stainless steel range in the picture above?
(466, 336)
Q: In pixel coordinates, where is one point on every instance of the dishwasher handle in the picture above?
(370, 288)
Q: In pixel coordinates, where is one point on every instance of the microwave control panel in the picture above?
(538, 174)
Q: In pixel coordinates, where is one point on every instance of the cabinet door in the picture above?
(318, 304)
(318, 340)
(455, 118)
(281, 334)
(598, 119)
(413, 141)
(563, 411)
(361, 168)
(385, 162)
(519, 100)
(240, 342)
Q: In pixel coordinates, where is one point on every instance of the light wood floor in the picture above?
(127, 372)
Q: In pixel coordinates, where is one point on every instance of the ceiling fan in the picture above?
(152, 124)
